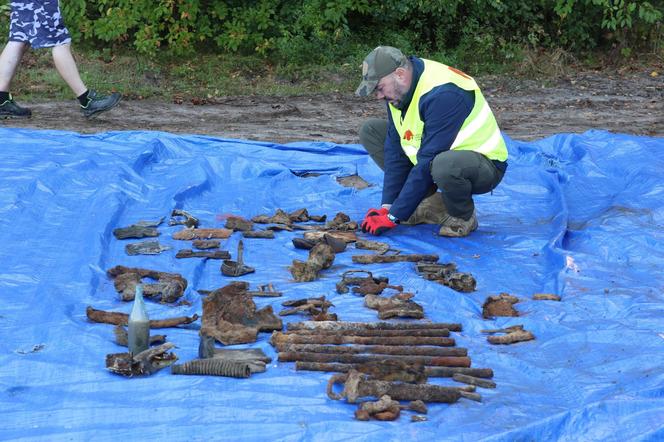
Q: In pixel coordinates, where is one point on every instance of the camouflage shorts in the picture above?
(39, 23)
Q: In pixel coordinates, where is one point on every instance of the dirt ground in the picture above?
(630, 103)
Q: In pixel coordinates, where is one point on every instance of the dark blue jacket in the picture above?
(443, 111)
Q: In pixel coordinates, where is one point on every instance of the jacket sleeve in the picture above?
(443, 110)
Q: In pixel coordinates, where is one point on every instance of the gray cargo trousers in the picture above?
(459, 174)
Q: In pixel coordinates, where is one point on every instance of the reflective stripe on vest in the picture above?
(479, 132)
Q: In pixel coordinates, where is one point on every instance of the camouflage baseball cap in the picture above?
(380, 62)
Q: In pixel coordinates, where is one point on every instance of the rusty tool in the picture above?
(236, 268)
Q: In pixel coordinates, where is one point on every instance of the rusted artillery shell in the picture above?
(344, 325)
(484, 383)
(213, 367)
(279, 339)
(432, 372)
(375, 349)
(443, 361)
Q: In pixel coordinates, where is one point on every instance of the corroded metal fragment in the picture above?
(500, 305)
(117, 318)
(146, 248)
(135, 231)
(216, 254)
(179, 216)
(397, 306)
(189, 234)
(379, 259)
(356, 385)
(230, 316)
(145, 363)
(169, 286)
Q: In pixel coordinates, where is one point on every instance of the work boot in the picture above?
(430, 211)
(9, 109)
(99, 103)
(458, 227)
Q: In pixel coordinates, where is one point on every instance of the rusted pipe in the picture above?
(356, 386)
(441, 361)
(374, 349)
(117, 318)
(384, 259)
(344, 325)
(432, 372)
(280, 339)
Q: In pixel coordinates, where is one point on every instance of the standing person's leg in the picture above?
(459, 175)
(66, 67)
(9, 61)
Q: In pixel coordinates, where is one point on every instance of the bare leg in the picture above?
(9, 60)
(66, 66)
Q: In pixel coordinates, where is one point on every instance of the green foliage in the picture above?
(321, 31)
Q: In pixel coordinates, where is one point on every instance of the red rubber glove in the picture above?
(376, 222)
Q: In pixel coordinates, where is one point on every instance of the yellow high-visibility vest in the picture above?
(479, 132)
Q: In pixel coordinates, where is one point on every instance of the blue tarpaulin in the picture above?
(580, 216)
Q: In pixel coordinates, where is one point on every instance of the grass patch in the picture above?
(206, 76)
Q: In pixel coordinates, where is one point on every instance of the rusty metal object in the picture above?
(253, 357)
(117, 318)
(380, 259)
(500, 305)
(341, 222)
(432, 372)
(169, 286)
(348, 280)
(397, 306)
(369, 287)
(188, 221)
(338, 245)
(213, 367)
(320, 257)
(280, 217)
(380, 247)
(217, 254)
(471, 395)
(281, 339)
(204, 244)
(356, 326)
(317, 235)
(146, 248)
(375, 349)
(143, 364)
(189, 234)
(440, 361)
(238, 224)
(379, 333)
(135, 231)
(263, 234)
(316, 307)
(545, 297)
(122, 337)
(384, 409)
(471, 380)
(230, 316)
(236, 268)
(514, 334)
(303, 216)
(265, 291)
(447, 274)
(356, 386)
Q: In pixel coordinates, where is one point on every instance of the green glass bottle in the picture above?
(139, 324)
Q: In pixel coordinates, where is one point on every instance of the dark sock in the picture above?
(4, 96)
(83, 98)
